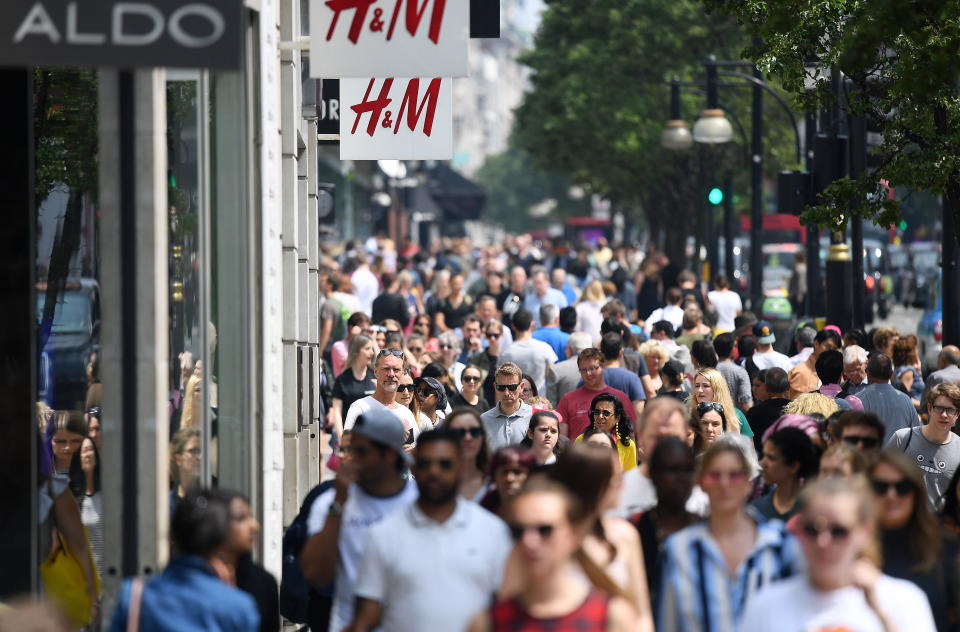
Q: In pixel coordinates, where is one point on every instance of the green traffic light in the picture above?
(715, 196)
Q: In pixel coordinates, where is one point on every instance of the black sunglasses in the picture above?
(510, 387)
(837, 532)
(425, 464)
(543, 530)
(475, 432)
(490, 334)
(424, 392)
(599, 412)
(866, 442)
(403, 388)
(902, 487)
(470, 378)
(393, 352)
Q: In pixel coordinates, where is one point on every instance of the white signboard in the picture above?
(389, 38)
(402, 119)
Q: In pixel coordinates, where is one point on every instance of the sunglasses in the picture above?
(393, 331)
(393, 352)
(517, 531)
(866, 442)
(837, 532)
(903, 487)
(474, 433)
(505, 387)
(599, 412)
(703, 407)
(492, 335)
(423, 392)
(403, 388)
(470, 378)
(447, 347)
(425, 464)
(417, 350)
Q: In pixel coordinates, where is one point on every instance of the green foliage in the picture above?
(515, 185)
(600, 98)
(902, 60)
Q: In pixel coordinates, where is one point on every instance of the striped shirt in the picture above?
(698, 592)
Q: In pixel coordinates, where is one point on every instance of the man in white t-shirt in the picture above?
(727, 302)
(766, 357)
(671, 311)
(435, 563)
(388, 368)
(369, 487)
(365, 283)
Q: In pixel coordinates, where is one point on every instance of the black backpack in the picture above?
(294, 589)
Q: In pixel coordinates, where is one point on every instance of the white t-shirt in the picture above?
(360, 512)
(728, 303)
(638, 494)
(433, 576)
(368, 403)
(793, 605)
(367, 288)
(771, 359)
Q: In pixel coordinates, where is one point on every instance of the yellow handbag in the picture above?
(65, 584)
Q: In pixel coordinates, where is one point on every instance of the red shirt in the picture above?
(509, 616)
(575, 408)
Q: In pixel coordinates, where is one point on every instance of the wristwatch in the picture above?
(336, 509)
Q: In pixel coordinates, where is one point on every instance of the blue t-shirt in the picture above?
(555, 338)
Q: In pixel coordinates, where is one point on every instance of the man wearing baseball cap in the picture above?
(368, 487)
(766, 357)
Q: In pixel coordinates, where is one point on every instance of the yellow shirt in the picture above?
(627, 453)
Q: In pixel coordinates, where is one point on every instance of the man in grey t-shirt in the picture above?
(934, 447)
(736, 376)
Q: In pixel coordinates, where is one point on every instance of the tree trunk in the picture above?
(64, 247)
(949, 254)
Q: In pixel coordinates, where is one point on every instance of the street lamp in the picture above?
(712, 128)
(676, 134)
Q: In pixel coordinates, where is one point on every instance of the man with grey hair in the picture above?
(804, 339)
(566, 372)
(542, 293)
(550, 332)
(854, 370)
(947, 371)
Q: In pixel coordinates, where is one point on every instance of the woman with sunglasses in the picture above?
(912, 545)
(711, 422)
(355, 382)
(405, 389)
(593, 475)
(607, 414)
(542, 437)
(789, 460)
(429, 402)
(509, 468)
(709, 385)
(465, 422)
(470, 394)
(842, 588)
(711, 570)
(548, 525)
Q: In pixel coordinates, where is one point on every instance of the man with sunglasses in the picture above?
(934, 447)
(388, 367)
(862, 430)
(508, 421)
(575, 405)
(435, 563)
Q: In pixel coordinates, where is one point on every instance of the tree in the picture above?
(900, 61)
(515, 186)
(600, 97)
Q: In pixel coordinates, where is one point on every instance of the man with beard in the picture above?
(435, 563)
(388, 367)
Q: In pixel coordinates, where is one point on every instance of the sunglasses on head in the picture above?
(403, 388)
(470, 378)
(517, 531)
(475, 432)
(703, 407)
(866, 442)
(510, 387)
(837, 532)
(393, 352)
(902, 487)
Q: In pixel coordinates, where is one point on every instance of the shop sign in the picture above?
(115, 33)
(401, 119)
(389, 38)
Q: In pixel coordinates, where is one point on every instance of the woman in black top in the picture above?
(356, 381)
(470, 394)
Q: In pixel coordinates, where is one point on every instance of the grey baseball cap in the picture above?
(383, 427)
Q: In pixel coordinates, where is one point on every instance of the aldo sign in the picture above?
(127, 33)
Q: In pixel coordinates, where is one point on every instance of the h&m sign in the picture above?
(121, 33)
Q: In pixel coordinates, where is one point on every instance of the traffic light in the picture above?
(715, 196)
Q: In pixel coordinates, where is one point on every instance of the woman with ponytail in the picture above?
(549, 525)
(711, 570)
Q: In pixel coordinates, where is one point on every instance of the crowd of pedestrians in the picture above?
(536, 437)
